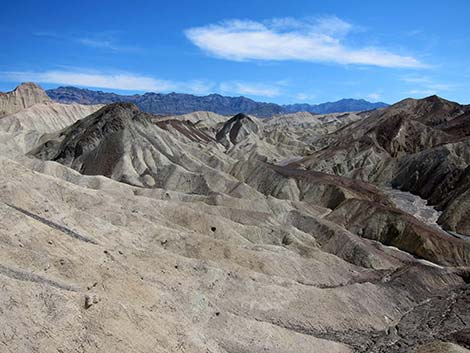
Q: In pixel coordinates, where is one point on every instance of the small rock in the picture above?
(92, 286)
(90, 299)
(213, 229)
(287, 240)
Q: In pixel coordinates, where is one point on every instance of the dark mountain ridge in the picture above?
(180, 103)
(343, 105)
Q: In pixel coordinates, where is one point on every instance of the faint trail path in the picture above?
(51, 224)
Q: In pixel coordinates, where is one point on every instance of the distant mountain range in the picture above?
(179, 103)
(343, 105)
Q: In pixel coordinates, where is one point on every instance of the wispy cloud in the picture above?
(107, 40)
(95, 43)
(421, 92)
(304, 97)
(416, 79)
(424, 85)
(118, 81)
(318, 40)
(374, 96)
(135, 82)
(252, 89)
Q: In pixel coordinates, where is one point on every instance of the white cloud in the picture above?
(133, 82)
(325, 25)
(332, 25)
(252, 89)
(320, 40)
(118, 81)
(104, 41)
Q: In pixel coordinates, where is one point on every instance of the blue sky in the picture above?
(275, 51)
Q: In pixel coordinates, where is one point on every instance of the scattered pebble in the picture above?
(90, 299)
(92, 286)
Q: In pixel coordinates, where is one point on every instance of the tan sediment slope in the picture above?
(46, 117)
(142, 234)
(167, 274)
(23, 130)
(23, 96)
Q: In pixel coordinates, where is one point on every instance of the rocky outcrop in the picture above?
(122, 142)
(444, 329)
(185, 128)
(236, 130)
(23, 96)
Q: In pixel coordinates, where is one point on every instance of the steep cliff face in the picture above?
(23, 96)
